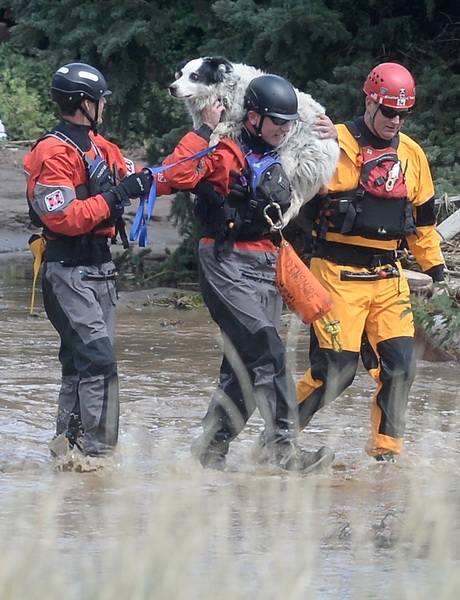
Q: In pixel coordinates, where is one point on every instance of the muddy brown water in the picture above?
(360, 530)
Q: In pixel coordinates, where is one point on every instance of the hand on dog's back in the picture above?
(211, 115)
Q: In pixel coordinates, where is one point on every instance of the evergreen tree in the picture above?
(324, 47)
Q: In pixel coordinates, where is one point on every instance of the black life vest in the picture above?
(379, 207)
(87, 248)
(243, 218)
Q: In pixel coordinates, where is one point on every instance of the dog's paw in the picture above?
(224, 129)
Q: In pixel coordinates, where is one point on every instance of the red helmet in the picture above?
(392, 85)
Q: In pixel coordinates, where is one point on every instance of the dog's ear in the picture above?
(220, 66)
(179, 67)
(182, 64)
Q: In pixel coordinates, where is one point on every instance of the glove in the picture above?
(137, 184)
(206, 192)
(240, 188)
(117, 212)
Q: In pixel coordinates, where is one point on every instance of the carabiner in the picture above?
(279, 223)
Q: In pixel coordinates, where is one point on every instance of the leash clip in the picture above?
(279, 224)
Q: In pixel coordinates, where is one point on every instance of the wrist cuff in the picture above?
(436, 273)
(111, 198)
(204, 131)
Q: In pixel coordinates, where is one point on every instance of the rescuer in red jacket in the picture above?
(237, 278)
(77, 186)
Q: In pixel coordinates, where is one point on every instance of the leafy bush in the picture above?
(177, 269)
(26, 109)
(439, 316)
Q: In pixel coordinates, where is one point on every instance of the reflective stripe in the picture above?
(264, 245)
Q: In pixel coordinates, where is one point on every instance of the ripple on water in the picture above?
(360, 530)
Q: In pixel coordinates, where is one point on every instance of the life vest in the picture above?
(89, 247)
(379, 207)
(244, 218)
(99, 179)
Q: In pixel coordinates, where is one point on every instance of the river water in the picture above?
(153, 525)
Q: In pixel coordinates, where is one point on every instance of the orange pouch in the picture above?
(299, 288)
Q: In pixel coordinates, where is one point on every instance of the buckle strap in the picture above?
(373, 275)
(355, 256)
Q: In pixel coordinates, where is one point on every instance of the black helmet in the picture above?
(74, 82)
(273, 96)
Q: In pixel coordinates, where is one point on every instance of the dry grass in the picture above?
(186, 534)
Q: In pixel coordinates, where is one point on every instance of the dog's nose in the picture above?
(172, 89)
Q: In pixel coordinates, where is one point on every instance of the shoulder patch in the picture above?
(54, 200)
(129, 166)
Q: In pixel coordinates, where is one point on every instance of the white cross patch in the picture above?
(54, 200)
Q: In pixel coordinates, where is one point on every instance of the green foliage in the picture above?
(158, 147)
(439, 315)
(135, 44)
(179, 268)
(132, 268)
(26, 110)
(325, 47)
(283, 36)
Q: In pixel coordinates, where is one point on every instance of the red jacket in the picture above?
(54, 170)
(214, 167)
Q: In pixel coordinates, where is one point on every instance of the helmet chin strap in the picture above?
(372, 119)
(93, 122)
(258, 129)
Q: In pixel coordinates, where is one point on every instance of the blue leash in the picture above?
(140, 222)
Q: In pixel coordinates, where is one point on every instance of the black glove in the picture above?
(206, 193)
(137, 184)
(117, 212)
(240, 188)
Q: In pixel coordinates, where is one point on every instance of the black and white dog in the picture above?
(309, 161)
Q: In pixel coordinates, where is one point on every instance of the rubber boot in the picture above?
(210, 454)
(290, 457)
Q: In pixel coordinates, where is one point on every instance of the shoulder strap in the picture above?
(62, 136)
(361, 138)
(258, 165)
(353, 129)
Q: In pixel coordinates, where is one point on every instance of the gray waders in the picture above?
(243, 300)
(80, 303)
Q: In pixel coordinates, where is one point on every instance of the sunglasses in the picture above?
(278, 120)
(391, 113)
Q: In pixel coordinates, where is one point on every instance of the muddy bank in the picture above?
(15, 231)
(15, 228)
